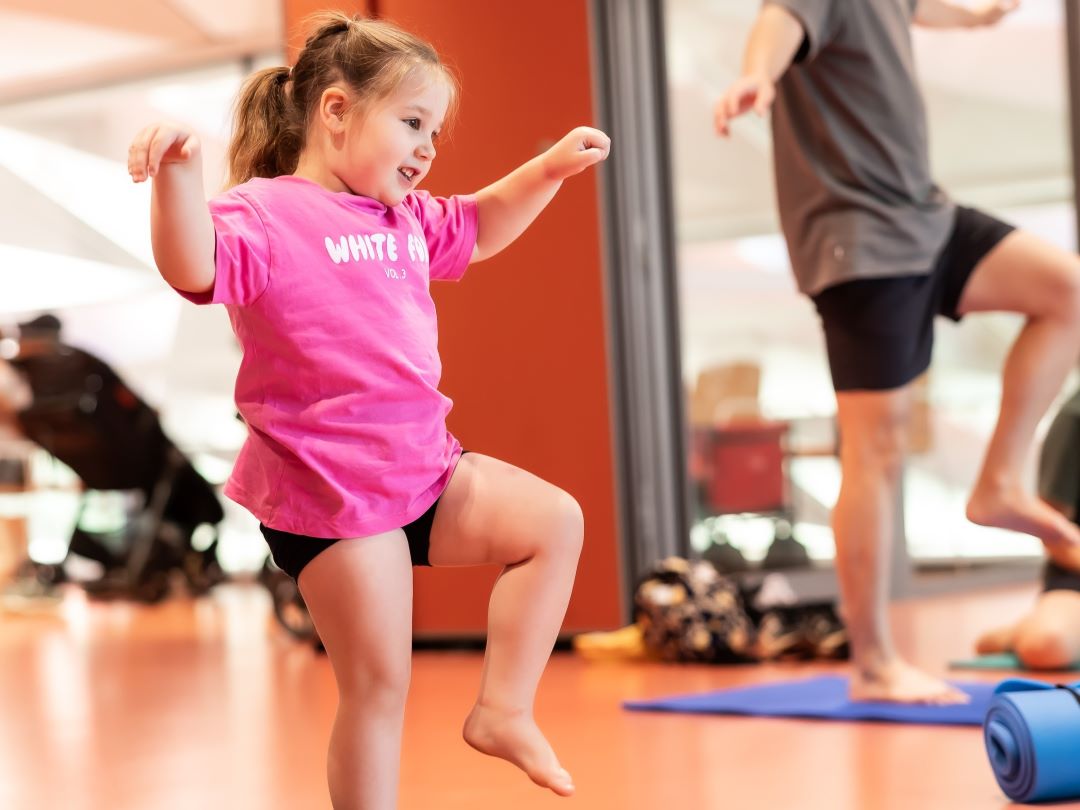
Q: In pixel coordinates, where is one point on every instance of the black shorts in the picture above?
(292, 552)
(1056, 578)
(879, 332)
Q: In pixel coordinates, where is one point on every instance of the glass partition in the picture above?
(761, 410)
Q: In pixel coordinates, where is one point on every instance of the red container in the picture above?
(743, 466)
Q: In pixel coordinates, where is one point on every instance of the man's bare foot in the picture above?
(997, 641)
(899, 682)
(1013, 508)
(515, 738)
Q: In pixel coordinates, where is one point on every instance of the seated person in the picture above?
(1048, 637)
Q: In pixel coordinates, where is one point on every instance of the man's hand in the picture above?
(992, 12)
(746, 93)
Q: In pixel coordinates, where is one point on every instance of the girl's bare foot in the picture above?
(513, 736)
(899, 682)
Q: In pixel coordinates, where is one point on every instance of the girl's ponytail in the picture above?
(266, 140)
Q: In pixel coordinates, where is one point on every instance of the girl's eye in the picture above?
(413, 122)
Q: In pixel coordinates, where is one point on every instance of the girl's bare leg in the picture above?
(493, 512)
(359, 593)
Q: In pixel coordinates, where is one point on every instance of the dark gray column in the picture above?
(641, 282)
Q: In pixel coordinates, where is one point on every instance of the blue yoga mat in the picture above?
(824, 698)
(1032, 735)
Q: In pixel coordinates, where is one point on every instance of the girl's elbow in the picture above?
(481, 252)
(186, 280)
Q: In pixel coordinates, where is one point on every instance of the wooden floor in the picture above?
(208, 705)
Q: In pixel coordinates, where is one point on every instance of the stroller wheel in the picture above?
(290, 610)
(47, 574)
(152, 589)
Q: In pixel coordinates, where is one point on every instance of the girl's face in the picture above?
(388, 147)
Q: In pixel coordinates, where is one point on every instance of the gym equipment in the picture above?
(785, 551)
(726, 558)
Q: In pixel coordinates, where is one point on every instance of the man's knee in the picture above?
(877, 448)
(1063, 293)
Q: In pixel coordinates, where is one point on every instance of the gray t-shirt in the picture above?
(850, 146)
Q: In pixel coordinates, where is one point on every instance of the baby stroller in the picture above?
(84, 415)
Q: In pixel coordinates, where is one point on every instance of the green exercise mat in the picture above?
(996, 661)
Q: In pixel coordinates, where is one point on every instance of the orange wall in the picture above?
(523, 336)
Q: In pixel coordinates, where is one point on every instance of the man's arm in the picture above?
(774, 41)
(946, 14)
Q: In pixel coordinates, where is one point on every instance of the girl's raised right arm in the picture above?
(180, 226)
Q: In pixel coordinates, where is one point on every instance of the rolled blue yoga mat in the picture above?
(1032, 735)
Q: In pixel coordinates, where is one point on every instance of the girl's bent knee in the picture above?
(568, 525)
(573, 517)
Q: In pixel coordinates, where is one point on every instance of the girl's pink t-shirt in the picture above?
(328, 295)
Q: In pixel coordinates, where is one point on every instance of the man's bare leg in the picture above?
(873, 427)
(1026, 275)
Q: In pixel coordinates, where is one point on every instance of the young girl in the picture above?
(322, 251)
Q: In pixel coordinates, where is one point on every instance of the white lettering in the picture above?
(378, 239)
(338, 252)
(359, 248)
(381, 246)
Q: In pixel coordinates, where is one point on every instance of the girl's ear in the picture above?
(333, 105)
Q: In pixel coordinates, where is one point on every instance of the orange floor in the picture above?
(207, 705)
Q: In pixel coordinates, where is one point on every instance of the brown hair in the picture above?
(373, 58)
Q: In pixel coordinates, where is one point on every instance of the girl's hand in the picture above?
(580, 148)
(754, 92)
(991, 13)
(159, 144)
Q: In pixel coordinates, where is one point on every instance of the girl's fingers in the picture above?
(155, 145)
(137, 154)
(160, 144)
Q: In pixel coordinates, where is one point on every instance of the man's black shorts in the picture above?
(879, 332)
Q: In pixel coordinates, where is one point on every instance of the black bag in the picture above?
(689, 612)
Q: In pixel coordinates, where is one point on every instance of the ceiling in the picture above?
(53, 46)
(78, 78)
